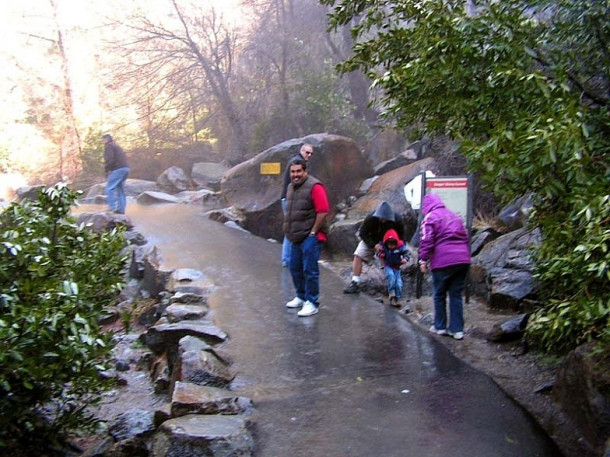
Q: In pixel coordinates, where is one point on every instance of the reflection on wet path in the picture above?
(354, 380)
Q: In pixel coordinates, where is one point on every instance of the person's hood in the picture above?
(431, 201)
(384, 211)
(392, 235)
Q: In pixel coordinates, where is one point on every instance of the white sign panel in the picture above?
(453, 191)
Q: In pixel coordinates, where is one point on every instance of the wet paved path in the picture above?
(355, 380)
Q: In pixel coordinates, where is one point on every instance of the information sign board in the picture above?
(270, 168)
(454, 192)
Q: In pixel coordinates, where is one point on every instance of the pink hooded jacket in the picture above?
(443, 239)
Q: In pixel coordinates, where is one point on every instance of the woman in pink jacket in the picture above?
(444, 248)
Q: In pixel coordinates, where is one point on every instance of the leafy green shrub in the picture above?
(523, 87)
(574, 262)
(55, 278)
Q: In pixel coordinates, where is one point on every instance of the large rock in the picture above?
(343, 238)
(208, 174)
(148, 262)
(502, 272)
(583, 391)
(162, 337)
(152, 197)
(28, 192)
(203, 196)
(133, 188)
(202, 368)
(337, 162)
(174, 180)
(135, 422)
(190, 281)
(205, 435)
(190, 398)
(104, 222)
(389, 187)
(181, 312)
(481, 238)
(404, 158)
(515, 215)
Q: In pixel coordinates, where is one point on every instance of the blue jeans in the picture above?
(115, 189)
(304, 269)
(286, 248)
(449, 280)
(394, 279)
(286, 244)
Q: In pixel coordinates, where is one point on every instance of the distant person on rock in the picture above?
(444, 248)
(305, 153)
(372, 230)
(305, 226)
(117, 170)
(393, 255)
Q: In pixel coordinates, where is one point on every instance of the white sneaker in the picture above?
(295, 303)
(309, 309)
(433, 329)
(457, 335)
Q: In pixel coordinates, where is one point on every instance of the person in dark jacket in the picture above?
(116, 171)
(374, 226)
(305, 153)
(444, 248)
(305, 226)
(393, 255)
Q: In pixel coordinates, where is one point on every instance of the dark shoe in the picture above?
(353, 288)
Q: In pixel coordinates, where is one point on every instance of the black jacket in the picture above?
(372, 229)
(114, 157)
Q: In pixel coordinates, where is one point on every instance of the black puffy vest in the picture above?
(300, 212)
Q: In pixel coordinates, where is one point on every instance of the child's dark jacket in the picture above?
(393, 257)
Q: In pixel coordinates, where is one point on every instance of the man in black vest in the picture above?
(305, 227)
(305, 152)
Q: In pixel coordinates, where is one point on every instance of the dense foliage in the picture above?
(55, 278)
(523, 86)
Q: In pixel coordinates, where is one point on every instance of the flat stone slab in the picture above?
(160, 337)
(188, 280)
(152, 197)
(209, 435)
(203, 368)
(190, 398)
(178, 312)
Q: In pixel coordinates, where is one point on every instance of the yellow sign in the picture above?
(270, 168)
